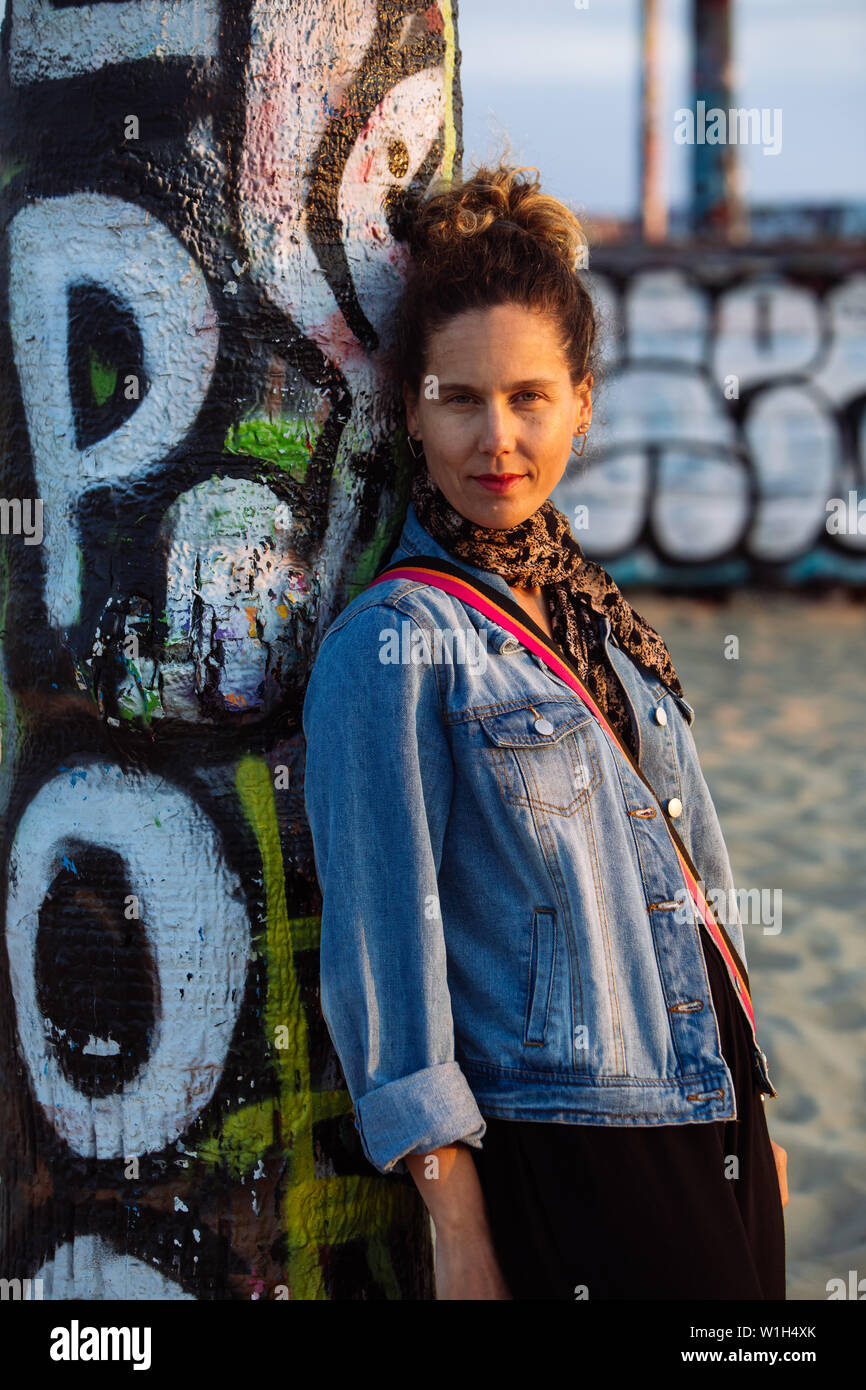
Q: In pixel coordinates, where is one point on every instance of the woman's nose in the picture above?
(497, 435)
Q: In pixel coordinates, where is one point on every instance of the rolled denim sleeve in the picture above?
(377, 786)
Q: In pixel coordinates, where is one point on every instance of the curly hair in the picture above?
(494, 238)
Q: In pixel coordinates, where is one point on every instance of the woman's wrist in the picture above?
(451, 1192)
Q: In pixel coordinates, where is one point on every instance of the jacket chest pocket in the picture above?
(543, 755)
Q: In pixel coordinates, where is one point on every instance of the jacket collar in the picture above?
(415, 539)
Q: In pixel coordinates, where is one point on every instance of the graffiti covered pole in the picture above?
(717, 204)
(201, 214)
(653, 202)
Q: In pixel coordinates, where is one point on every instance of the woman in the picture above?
(532, 1015)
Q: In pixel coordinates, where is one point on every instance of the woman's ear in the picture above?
(583, 404)
(410, 400)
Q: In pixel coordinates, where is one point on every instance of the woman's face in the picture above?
(497, 404)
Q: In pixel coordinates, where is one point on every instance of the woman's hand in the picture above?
(467, 1267)
(781, 1157)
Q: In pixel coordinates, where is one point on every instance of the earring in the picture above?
(584, 432)
(414, 455)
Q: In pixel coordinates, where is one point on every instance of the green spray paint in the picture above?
(288, 443)
(103, 379)
(316, 1211)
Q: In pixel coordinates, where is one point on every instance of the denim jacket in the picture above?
(505, 927)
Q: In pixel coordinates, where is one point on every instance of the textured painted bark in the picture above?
(200, 257)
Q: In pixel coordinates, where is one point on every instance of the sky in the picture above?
(560, 80)
(561, 84)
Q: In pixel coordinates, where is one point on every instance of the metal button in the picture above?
(675, 807)
(660, 715)
(543, 726)
(509, 645)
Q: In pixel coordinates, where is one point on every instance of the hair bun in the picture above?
(498, 198)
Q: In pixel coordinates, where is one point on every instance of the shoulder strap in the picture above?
(507, 612)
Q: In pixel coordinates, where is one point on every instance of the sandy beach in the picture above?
(782, 736)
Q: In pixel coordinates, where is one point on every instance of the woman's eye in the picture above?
(456, 399)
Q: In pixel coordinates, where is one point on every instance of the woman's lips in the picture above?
(499, 482)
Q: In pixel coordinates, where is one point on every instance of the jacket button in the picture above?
(675, 807)
(544, 726)
(660, 715)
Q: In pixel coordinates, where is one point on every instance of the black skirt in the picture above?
(616, 1212)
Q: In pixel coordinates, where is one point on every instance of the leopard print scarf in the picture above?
(543, 551)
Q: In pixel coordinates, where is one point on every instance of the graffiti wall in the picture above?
(200, 256)
(729, 437)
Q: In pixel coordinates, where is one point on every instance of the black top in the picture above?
(678, 1211)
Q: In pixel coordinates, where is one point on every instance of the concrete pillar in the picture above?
(200, 259)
